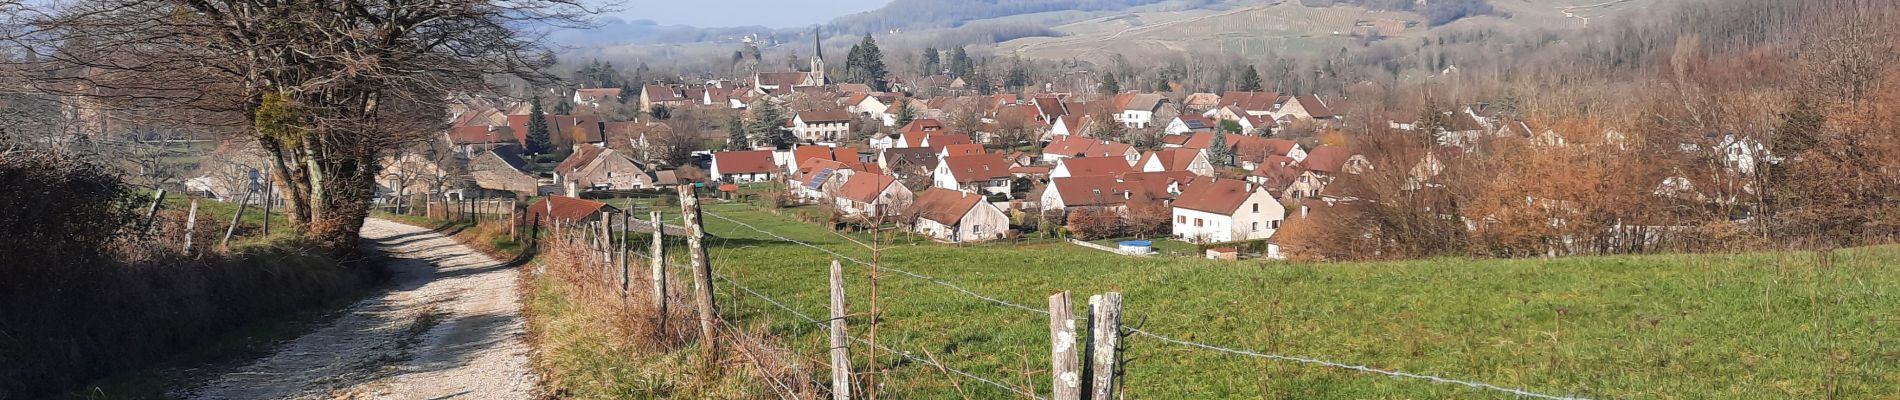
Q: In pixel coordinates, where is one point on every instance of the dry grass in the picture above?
(593, 342)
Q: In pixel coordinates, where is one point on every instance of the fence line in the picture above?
(1205, 346)
(906, 355)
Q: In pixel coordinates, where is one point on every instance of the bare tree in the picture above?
(323, 87)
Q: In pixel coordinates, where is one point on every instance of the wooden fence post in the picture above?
(235, 219)
(1105, 316)
(658, 255)
(702, 270)
(840, 349)
(151, 214)
(626, 259)
(270, 186)
(191, 223)
(1062, 353)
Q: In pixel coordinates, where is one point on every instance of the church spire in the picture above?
(818, 56)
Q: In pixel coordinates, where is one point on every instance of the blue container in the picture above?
(1137, 243)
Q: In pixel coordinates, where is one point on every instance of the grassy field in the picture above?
(1768, 325)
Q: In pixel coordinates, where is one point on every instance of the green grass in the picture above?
(1763, 325)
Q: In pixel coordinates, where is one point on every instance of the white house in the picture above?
(1226, 210)
(1177, 159)
(743, 166)
(822, 126)
(980, 172)
(1139, 111)
(959, 216)
(873, 195)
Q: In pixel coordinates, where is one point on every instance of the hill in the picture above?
(1283, 27)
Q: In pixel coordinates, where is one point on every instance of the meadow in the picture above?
(1715, 326)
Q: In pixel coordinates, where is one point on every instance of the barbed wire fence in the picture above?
(728, 250)
(1520, 392)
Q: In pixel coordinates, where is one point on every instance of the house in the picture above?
(232, 170)
(1090, 166)
(980, 172)
(958, 216)
(1321, 167)
(410, 173)
(1078, 146)
(1189, 160)
(1225, 210)
(1068, 125)
(905, 162)
(1235, 105)
(874, 106)
(503, 171)
(1187, 124)
(1138, 110)
(565, 209)
(471, 140)
(822, 126)
(1249, 151)
(1114, 192)
(743, 166)
(1201, 102)
(1308, 107)
(818, 179)
(600, 168)
(666, 96)
(595, 96)
(918, 132)
(873, 195)
(1049, 108)
(965, 149)
(846, 155)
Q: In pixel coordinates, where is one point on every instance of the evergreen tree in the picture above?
(981, 82)
(933, 61)
(1229, 126)
(1018, 77)
(736, 137)
(768, 123)
(537, 128)
(1799, 128)
(1219, 152)
(854, 64)
(904, 113)
(873, 64)
(562, 108)
(960, 63)
(1162, 86)
(1109, 85)
(1250, 80)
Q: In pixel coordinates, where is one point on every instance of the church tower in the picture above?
(818, 57)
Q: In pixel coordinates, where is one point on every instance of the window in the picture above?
(1274, 224)
(1256, 208)
(978, 229)
(1180, 219)
(1197, 222)
(1256, 227)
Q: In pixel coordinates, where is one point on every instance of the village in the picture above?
(1223, 170)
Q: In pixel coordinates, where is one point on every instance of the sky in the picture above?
(727, 13)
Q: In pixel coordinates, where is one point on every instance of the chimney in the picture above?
(965, 194)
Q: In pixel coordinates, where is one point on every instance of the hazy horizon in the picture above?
(730, 13)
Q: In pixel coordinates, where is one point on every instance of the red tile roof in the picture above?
(482, 134)
(744, 162)
(1096, 166)
(963, 149)
(1314, 106)
(1079, 146)
(1327, 159)
(563, 208)
(598, 93)
(818, 116)
(659, 93)
(864, 187)
(945, 206)
(1219, 196)
(1171, 159)
(580, 159)
(978, 167)
(1251, 101)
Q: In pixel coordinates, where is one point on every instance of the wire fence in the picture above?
(1141, 332)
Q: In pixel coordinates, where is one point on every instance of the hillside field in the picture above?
(1764, 325)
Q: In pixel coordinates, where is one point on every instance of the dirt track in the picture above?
(450, 327)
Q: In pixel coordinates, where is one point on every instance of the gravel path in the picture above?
(450, 327)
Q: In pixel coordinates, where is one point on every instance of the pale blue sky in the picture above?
(725, 13)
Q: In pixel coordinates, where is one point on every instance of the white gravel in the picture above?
(449, 327)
